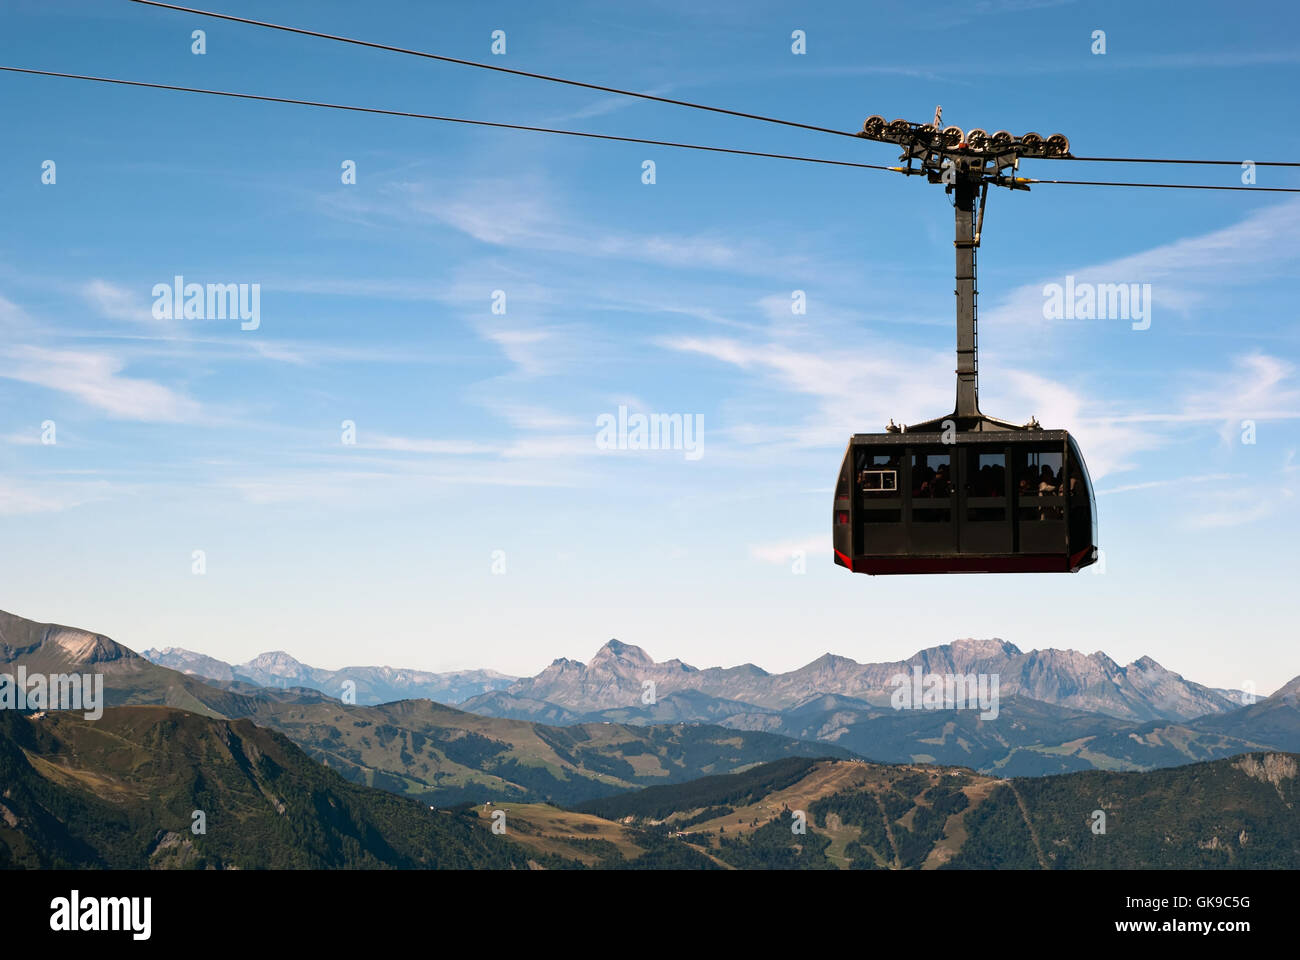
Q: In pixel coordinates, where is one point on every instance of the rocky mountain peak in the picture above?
(1106, 663)
(984, 647)
(82, 647)
(1145, 663)
(625, 653)
(274, 661)
(828, 661)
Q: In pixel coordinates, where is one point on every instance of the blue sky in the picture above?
(475, 431)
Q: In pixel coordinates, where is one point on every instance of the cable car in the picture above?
(997, 501)
(966, 493)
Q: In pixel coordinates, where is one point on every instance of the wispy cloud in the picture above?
(428, 446)
(1108, 446)
(503, 214)
(1184, 274)
(523, 348)
(96, 379)
(14, 321)
(117, 303)
(516, 214)
(611, 104)
(1171, 482)
(531, 417)
(1259, 387)
(1223, 500)
(859, 390)
(1245, 505)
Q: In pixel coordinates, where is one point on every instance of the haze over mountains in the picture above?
(416, 748)
(289, 776)
(614, 680)
(373, 684)
(543, 737)
(1059, 710)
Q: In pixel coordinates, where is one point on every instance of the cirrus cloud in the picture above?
(96, 379)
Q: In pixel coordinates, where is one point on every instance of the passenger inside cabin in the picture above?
(942, 485)
(922, 479)
(1047, 482)
(878, 473)
(1049, 485)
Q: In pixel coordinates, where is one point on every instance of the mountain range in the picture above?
(147, 787)
(371, 684)
(287, 776)
(614, 679)
(613, 682)
(1059, 710)
(416, 748)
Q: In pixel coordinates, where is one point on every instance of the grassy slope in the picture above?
(445, 756)
(414, 748)
(120, 792)
(1230, 813)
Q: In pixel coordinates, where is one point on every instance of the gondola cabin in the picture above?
(965, 493)
(1002, 501)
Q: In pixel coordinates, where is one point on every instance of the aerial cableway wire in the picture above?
(429, 116)
(1215, 163)
(616, 90)
(581, 133)
(1162, 186)
(490, 66)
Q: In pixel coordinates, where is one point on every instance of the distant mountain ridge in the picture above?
(616, 676)
(413, 747)
(128, 677)
(438, 753)
(1060, 710)
(119, 791)
(374, 685)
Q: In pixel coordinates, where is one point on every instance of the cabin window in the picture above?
(1083, 508)
(878, 474)
(1040, 484)
(878, 480)
(986, 484)
(931, 487)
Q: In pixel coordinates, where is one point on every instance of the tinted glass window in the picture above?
(931, 480)
(879, 473)
(1083, 507)
(986, 477)
(1040, 474)
(986, 474)
(931, 475)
